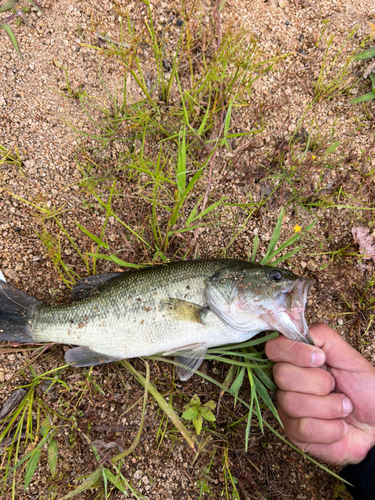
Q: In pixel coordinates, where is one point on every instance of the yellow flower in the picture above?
(313, 157)
(297, 228)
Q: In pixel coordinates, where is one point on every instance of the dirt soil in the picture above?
(36, 120)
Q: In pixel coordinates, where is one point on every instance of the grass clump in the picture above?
(335, 76)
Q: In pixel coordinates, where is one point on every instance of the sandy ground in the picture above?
(36, 120)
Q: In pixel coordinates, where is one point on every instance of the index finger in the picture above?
(296, 353)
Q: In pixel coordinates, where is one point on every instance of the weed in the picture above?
(7, 158)
(334, 77)
(366, 54)
(197, 412)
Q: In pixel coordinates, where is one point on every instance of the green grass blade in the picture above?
(366, 54)
(262, 391)
(250, 416)
(210, 208)
(97, 240)
(258, 413)
(287, 256)
(255, 248)
(116, 260)
(7, 6)
(31, 467)
(265, 380)
(363, 98)
(36, 5)
(227, 125)
(181, 165)
(235, 387)
(12, 37)
(206, 115)
(274, 238)
(90, 481)
(52, 456)
(289, 242)
(105, 481)
(249, 343)
(193, 212)
(107, 474)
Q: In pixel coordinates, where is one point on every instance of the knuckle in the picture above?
(279, 373)
(301, 355)
(288, 402)
(269, 349)
(302, 427)
(335, 408)
(326, 384)
(273, 348)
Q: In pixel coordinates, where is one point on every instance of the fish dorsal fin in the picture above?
(185, 311)
(86, 287)
(84, 356)
(189, 359)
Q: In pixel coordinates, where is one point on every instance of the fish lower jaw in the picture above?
(291, 324)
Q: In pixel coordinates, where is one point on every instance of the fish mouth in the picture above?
(289, 316)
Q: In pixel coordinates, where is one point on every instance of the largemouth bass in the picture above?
(179, 309)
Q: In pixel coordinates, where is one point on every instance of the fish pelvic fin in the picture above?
(185, 311)
(84, 356)
(188, 359)
(16, 311)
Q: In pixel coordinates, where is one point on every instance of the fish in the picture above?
(179, 309)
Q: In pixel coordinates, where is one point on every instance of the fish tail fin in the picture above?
(16, 311)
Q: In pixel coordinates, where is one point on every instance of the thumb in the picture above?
(339, 354)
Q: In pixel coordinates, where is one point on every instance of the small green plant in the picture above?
(334, 77)
(18, 15)
(197, 412)
(370, 72)
(8, 158)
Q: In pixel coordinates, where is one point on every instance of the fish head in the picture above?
(261, 298)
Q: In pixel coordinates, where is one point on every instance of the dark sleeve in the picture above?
(362, 477)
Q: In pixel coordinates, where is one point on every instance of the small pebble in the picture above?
(137, 475)
(311, 265)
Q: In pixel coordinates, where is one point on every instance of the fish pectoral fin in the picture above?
(185, 311)
(86, 287)
(189, 359)
(84, 356)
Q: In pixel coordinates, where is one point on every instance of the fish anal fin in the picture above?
(185, 311)
(84, 356)
(86, 287)
(188, 359)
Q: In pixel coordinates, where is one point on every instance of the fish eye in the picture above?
(275, 275)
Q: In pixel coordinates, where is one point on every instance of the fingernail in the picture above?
(318, 358)
(347, 406)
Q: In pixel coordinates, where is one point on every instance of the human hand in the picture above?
(326, 397)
